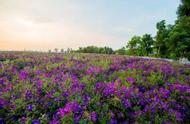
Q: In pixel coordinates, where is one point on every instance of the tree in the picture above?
(146, 44)
(68, 50)
(133, 45)
(180, 39)
(94, 49)
(62, 50)
(56, 50)
(184, 8)
(108, 50)
(161, 43)
(180, 35)
(121, 51)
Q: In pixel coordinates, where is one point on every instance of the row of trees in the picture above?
(94, 49)
(171, 41)
(56, 50)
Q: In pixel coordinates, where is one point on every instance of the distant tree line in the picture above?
(94, 49)
(56, 50)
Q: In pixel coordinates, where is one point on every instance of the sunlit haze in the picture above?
(48, 24)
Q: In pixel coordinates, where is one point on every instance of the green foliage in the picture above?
(133, 45)
(146, 44)
(141, 46)
(184, 8)
(161, 44)
(94, 49)
(101, 63)
(155, 79)
(180, 37)
(121, 51)
(67, 120)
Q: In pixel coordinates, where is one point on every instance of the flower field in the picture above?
(89, 88)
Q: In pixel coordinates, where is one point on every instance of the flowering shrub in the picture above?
(79, 88)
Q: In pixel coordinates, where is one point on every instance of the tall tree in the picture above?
(180, 35)
(180, 38)
(162, 39)
(146, 44)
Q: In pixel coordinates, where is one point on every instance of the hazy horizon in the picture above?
(45, 24)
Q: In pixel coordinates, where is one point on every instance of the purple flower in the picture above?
(3, 102)
(142, 89)
(113, 121)
(69, 107)
(86, 99)
(2, 121)
(120, 115)
(76, 107)
(131, 80)
(23, 119)
(82, 86)
(164, 105)
(126, 103)
(93, 116)
(77, 117)
(36, 121)
(2, 81)
(39, 84)
(109, 89)
(29, 107)
(178, 115)
(167, 122)
(165, 93)
(62, 111)
(188, 90)
(23, 75)
(28, 94)
(94, 70)
(65, 94)
(99, 85)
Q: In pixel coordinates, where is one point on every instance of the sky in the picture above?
(47, 24)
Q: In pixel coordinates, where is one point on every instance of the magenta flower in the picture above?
(69, 107)
(28, 94)
(36, 121)
(131, 80)
(109, 89)
(29, 107)
(39, 84)
(93, 116)
(126, 103)
(94, 70)
(23, 75)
